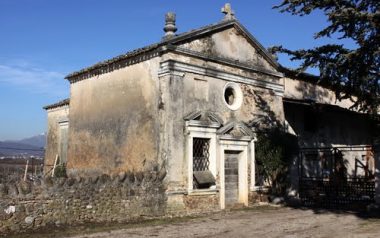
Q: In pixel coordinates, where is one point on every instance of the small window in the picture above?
(233, 96)
(202, 177)
(229, 96)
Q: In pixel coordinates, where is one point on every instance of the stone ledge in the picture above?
(203, 192)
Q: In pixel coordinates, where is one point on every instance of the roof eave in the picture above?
(61, 103)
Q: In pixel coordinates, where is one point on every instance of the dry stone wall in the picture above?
(26, 206)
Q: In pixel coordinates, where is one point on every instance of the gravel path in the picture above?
(266, 222)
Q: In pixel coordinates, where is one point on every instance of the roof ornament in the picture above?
(228, 12)
(170, 27)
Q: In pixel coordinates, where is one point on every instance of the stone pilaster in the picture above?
(377, 170)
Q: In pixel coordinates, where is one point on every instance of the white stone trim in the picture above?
(173, 67)
(242, 147)
(63, 121)
(199, 132)
(253, 165)
(202, 192)
(238, 96)
(196, 124)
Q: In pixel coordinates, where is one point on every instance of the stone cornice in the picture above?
(170, 67)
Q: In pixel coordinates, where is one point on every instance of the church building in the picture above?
(190, 104)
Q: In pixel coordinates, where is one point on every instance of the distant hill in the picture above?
(32, 146)
(38, 140)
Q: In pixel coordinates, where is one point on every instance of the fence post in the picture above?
(26, 170)
(55, 164)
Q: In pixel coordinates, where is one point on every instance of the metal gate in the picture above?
(327, 180)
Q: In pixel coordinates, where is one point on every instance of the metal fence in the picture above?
(13, 171)
(333, 194)
(329, 177)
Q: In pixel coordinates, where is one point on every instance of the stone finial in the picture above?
(228, 12)
(170, 27)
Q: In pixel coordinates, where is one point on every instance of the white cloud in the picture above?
(25, 75)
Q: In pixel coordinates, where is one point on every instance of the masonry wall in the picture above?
(54, 116)
(113, 126)
(31, 205)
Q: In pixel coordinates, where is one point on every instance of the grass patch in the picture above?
(370, 222)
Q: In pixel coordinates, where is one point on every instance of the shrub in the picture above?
(60, 171)
(274, 152)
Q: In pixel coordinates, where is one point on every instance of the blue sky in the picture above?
(41, 41)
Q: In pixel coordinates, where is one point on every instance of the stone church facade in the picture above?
(187, 105)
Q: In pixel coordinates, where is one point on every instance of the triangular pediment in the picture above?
(205, 118)
(236, 130)
(229, 40)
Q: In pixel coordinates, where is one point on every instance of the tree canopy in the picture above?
(354, 73)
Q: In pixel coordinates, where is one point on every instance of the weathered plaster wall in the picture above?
(188, 92)
(113, 126)
(183, 93)
(229, 44)
(301, 90)
(54, 116)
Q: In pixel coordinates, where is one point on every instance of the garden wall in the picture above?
(26, 206)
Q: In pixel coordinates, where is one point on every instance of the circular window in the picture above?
(233, 97)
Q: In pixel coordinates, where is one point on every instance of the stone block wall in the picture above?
(201, 203)
(26, 206)
(256, 197)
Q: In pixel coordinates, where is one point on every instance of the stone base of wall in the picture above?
(256, 197)
(195, 203)
(32, 205)
(202, 203)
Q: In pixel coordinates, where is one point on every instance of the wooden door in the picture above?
(231, 178)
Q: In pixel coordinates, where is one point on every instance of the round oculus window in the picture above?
(233, 97)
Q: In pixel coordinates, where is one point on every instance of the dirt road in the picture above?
(262, 222)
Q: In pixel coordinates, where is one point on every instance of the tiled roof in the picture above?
(175, 40)
(58, 104)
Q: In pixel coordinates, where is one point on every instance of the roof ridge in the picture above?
(174, 40)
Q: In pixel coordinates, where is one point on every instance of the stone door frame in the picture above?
(228, 144)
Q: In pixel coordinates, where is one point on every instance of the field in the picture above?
(13, 169)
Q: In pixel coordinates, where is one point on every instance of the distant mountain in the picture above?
(32, 146)
(38, 140)
(19, 149)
